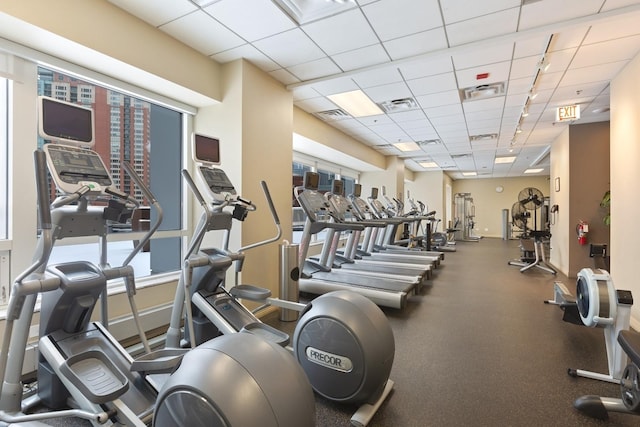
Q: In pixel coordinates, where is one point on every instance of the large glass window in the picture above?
(149, 137)
(4, 149)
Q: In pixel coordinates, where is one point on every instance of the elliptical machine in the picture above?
(342, 340)
(82, 365)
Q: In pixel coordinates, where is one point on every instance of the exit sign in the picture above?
(569, 112)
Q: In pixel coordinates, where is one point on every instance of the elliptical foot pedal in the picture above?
(159, 362)
(95, 376)
(267, 333)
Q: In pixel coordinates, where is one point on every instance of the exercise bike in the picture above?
(342, 340)
(81, 364)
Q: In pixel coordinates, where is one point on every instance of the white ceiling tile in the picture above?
(444, 110)
(292, 47)
(609, 51)
(615, 4)
(409, 116)
(484, 114)
(249, 53)
(411, 33)
(545, 12)
(162, 11)
(425, 67)
(314, 69)
(456, 119)
(211, 37)
(534, 46)
(623, 26)
(361, 58)
(524, 67)
(549, 80)
(332, 36)
(460, 10)
(603, 72)
(516, 100)
(568, 38)
(483, 27)
(377, 77)
(304, 92)
(477, 57)
(433, 84)
(284, 76)
(313, 105)
(416, 44)
(251, 19)
(559, 60)
(392, 19)
(439, 99)
(333, 86)
(488, 104)
(388, 92)
(381, 119)
(498, 72)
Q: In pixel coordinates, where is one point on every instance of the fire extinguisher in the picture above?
(581, 230)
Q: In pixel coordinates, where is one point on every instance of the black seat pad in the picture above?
(630, 343)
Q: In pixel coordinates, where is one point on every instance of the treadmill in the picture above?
(349, 258)
(319, 277)
(369, 246)
(386, 241)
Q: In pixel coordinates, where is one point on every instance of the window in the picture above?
(124, 130)
(327, 173)
(4, 150)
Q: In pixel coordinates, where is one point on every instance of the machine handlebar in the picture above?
(44, 210)
(267, 195)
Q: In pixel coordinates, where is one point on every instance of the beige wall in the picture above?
(429, 189)
(254, 124)
(625, 176)
(308, 126)
(559, 253)
(489, 203)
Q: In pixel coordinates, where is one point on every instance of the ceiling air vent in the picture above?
(460, 156)
(482, 92)
(332, 115)
(428, 142)
(397, 105)
(483, 137)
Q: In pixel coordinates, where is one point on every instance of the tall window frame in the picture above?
(328, 172)
(124, 127)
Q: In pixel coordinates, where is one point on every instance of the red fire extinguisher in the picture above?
(581, 230)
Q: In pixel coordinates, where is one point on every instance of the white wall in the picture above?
(559, 254)
(625, 176)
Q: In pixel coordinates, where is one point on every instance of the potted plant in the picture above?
(606, 204)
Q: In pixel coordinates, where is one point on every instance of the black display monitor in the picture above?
(311, 180)
(374, 193)
(357, 190)
(337, 187)
(206, 150)
(66, 123)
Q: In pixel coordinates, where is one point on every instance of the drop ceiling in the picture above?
(418, 59)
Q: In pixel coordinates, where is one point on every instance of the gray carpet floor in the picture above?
(478, 347)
